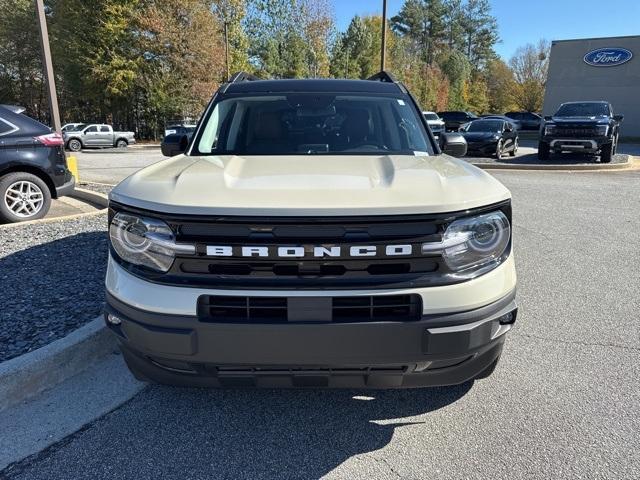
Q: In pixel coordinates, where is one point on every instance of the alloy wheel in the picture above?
(24, 199)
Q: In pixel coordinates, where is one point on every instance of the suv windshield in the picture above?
(583, 110)
(431, 116)
(485, 126)
(312, 123)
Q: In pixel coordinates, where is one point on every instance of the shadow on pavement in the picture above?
(174, 433)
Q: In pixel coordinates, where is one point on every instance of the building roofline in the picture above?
(593, 38)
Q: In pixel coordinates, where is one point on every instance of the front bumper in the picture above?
(439, 349)
(585, 145)
(482, 148)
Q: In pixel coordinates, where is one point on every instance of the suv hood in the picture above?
(309, 185)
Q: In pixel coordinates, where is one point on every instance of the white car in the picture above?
(436, 124)
(311, 234)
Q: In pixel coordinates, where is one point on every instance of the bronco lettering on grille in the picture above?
(316, 251)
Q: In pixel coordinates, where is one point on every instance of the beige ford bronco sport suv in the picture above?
(312, 234)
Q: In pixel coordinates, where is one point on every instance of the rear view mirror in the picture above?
(453, 144)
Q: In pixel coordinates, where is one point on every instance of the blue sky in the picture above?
(526, 21)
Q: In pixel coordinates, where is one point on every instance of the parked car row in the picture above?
(585, 127)
(453, 120)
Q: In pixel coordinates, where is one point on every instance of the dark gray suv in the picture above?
(33, 167)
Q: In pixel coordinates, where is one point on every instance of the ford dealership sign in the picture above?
(608, 57)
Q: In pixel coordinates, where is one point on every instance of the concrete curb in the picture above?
(536, 166)
(79, 193)
(145, 146)
(26, 376)
(91, 196)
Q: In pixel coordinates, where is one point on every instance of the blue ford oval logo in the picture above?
(608, 57)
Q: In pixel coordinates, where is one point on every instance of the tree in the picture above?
(182, 47)
(232, 13)
(476, 93)
(422, 21)
(453, 19)
(21, 79)
(529, 65)
(458, 70)
(479, 32)
(275, 29)
(319, 32)
(500, 84)
(351, 53)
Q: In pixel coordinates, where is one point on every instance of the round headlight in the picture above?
(143, 241)
(476, 242)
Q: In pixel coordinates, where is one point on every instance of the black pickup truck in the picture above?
(588, 127)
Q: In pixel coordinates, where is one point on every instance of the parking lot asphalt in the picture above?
(564, 402)
(114, 165)
(60, 208)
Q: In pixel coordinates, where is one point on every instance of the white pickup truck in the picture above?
(96, 136)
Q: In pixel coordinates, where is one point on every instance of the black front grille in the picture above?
(240, 309)
(307, 272)
(576, 131)
(273, 271)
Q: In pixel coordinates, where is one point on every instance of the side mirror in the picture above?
(453, 144)
(547, 117)
(173, 148)
(618, 118)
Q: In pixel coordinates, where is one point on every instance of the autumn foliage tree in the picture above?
(140, 63)
(529, 66)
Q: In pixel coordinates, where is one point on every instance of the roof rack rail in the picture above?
(242, 77)
(383, 76)
(238, 77)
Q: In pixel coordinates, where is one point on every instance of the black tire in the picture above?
(499, 150)
(487, 372)
(606, 153)
(543, 151)
(513, 152)
(33, 203)
(122, 143)
(74, 145)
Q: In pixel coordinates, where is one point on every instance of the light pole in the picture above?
(226, 48)
(383, 48)
(48, 66)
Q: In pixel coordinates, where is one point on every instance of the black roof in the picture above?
(313, 85)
